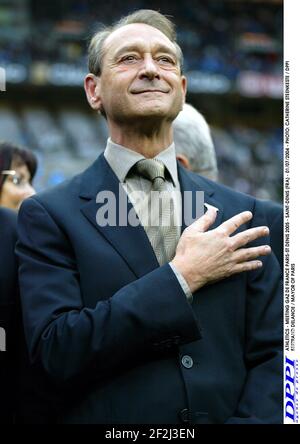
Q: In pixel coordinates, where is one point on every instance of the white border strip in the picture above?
(291, 319)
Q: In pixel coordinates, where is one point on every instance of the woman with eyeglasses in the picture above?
(17, 169)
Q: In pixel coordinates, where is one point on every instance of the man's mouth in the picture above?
(143, 91)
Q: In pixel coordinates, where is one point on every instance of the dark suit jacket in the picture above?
(109, 328)
(274, 216)
(8, 296)
(19, 402)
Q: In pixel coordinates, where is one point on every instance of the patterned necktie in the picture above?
(161, 228)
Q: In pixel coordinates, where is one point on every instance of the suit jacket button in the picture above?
(185, 415)
(187, 361)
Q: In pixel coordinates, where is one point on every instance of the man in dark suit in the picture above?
(19, 401)
(146, 322)
(8, 296)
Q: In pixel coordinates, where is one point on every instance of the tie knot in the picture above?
(151, 169)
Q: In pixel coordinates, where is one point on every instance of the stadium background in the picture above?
(233, 62)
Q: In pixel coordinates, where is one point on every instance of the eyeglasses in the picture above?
(17, 179)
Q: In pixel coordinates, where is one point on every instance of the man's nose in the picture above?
(149, 68)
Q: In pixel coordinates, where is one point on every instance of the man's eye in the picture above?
(129, 59)
(165, 59)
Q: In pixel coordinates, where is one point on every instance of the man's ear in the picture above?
(184, 88)
(92, 91)
(184, 161)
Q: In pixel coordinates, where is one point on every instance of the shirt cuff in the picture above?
(183, 283)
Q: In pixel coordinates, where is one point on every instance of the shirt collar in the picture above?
(122, 159)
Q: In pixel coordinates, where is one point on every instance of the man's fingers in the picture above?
(246, 266)
(204, 222)
(232, 224)
(241, 239)
(248, 254)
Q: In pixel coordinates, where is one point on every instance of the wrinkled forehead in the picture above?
(137, 34)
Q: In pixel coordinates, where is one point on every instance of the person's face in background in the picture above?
(16, 187)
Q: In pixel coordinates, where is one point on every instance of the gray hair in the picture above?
(145, 16)
(193, 139)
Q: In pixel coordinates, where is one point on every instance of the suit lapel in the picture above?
(187, 183)
(131, 242)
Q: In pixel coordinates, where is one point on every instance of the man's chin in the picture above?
(150, 111)
(153, 109)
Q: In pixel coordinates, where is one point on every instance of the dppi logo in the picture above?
(290, 411)
(2, 339)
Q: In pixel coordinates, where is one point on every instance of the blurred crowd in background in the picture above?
(221, 37)
(233, 60)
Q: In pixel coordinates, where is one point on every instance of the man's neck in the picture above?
(148, 144)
